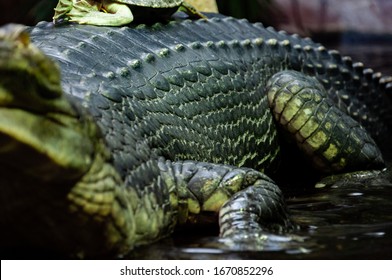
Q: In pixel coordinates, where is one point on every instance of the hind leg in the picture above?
(244, 200)
(333, 141)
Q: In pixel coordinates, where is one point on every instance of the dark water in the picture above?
(349, 221)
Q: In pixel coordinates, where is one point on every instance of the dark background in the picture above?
(30, 12)
(302, 15)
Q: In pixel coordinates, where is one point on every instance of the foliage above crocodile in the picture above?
(156, 126)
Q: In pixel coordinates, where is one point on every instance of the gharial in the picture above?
(161, 125)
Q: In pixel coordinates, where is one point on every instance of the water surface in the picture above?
(349, 221)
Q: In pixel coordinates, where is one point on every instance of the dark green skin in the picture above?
(98, 60)
(196, 90)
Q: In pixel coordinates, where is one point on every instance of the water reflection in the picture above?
(343, 221)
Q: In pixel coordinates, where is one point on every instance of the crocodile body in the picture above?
(165, 58)
(169, 97)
